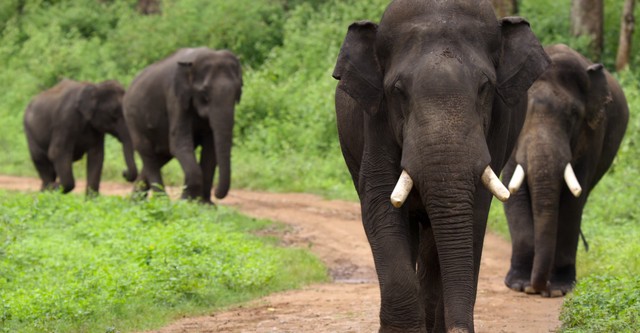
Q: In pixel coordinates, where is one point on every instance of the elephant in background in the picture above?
(181, 102)
(429, 105)
(576, 118)
(71, 119)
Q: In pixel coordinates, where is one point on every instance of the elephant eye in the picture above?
(399, 89)
(398, 86)
(204, 96)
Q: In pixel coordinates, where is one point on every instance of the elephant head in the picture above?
(101, 107)
(563, 131)
(441, 87)
(211, 82)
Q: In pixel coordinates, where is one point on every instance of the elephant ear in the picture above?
(238, 72)
(598, 95)
(522, 60)
(182, 85)
(86, 103)
(358, 68)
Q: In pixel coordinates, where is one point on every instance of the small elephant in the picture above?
(181, 102)
(576, 118)
(71, 119)
(429, 105)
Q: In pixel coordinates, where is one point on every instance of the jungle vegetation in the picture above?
(285, 135)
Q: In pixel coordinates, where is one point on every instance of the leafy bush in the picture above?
(73, 265)
(604, 304)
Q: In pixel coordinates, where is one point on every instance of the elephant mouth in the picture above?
(569, 177)
(489, 180)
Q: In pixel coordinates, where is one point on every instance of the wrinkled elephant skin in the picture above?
(435, 92)
(576, 119)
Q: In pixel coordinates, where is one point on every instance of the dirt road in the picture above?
(333, 231)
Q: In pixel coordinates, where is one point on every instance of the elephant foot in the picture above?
(390, 329)
(518, 280)
(560, 288)
(549, 293)
(206, 202)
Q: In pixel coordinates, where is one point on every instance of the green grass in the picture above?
(110, 264)
(285, 134)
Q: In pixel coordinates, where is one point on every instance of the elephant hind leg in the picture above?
(44, 166)
(47, 173)
(150, 177)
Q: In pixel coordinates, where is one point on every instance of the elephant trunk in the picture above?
(222, 123)
(446, 165)
(544, 181)
(544, 154)
(131, 173)
(447, 191)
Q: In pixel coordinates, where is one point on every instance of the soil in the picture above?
(333, 231)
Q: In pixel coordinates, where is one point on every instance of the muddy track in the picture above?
(332, 230)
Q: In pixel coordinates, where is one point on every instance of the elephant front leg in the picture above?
(192, 172)
(95, 160)
(63, 165)
(182, 148)
(429, 275)
(394, 247)
(563, 276)
(208, 167)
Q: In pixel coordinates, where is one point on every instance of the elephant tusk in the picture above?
(493, 184)
(516, 179)
(402, 189)
(572, 181)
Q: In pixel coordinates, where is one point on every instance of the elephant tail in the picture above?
(584, 241)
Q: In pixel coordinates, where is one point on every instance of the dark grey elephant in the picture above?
(429, 106)
(71, 119)
(576, 119)
(179, 103)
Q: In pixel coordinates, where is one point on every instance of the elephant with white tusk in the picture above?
(429, 105)
(576, 119)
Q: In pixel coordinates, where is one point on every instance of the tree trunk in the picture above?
(586, 20)
(626, 33)
(505, 7)
(148, 7)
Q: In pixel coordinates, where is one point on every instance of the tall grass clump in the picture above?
(109, 264)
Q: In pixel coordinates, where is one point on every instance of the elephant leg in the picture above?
(95, 159)
(43, 165)
(192, 172)
(47, 173)
(394, 247)
(520, 220)
(429, 275)
(63, 165)
(150, 176)
(563, 276)
(208, 166)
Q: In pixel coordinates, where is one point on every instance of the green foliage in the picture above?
(73, 265)
(608, 303)
(285, 135)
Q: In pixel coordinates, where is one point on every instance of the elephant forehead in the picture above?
(436, 20)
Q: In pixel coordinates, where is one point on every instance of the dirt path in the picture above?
(333, 231)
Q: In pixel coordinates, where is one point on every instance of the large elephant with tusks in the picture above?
(429, 106)
(576, 119)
